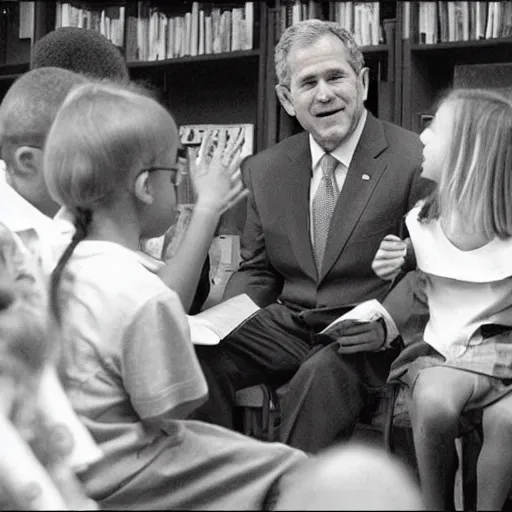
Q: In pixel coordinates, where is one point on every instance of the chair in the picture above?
(260, 416)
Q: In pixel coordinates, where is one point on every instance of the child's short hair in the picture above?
(476, 178)
(30, 106)
(102, 133)
(80, 50)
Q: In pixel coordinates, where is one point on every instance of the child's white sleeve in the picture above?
(160, 368)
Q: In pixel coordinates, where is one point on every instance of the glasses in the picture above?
(175, 170)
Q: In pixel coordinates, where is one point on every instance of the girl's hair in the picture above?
(476, 175)
(102, 133)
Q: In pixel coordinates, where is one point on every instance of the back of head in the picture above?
(303, 34)
(80, 50)
(30, 106)
(350, 477)
(103, 133)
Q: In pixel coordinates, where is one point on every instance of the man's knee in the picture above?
(326, 364)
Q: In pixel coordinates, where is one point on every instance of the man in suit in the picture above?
(321, 202)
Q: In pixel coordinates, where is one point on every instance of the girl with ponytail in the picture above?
(130, 368)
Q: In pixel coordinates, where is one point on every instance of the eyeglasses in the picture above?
(175, 170)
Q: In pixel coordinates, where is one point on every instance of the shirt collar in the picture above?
(345, 151)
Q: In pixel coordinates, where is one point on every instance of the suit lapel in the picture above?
(296, 196)
(368, 160)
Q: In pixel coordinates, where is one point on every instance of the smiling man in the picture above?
(320, 203)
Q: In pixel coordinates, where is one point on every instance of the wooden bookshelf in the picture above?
(428, 69)
(406, 77)
(240, 54)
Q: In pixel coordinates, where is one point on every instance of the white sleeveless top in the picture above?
(465, 289)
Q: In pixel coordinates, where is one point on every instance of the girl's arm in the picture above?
(218, 184)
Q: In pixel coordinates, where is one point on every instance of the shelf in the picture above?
(242, 54)
(7, 71)
(462, 45)
(375, 51)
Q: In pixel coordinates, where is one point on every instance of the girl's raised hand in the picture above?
(390, 257)
(216, 172)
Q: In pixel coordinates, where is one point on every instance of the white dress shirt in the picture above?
(19, 215)
(343, 153)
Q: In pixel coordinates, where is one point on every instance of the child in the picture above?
(131, 370)
(461, 237)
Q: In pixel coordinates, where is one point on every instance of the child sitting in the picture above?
(131, 371)
(461, 237)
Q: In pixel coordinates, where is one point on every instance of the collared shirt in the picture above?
(21, 216)
(343, 153)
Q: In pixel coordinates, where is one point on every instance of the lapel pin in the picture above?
(365, 177)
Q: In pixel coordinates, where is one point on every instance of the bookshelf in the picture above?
(439, 36)
(409, 47)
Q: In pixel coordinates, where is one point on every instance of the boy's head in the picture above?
(80, 50)
(26, 115)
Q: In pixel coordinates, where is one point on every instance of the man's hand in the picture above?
(362, 337)
(389, 257)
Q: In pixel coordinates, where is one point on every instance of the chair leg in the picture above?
(388, 422)
(471, 446)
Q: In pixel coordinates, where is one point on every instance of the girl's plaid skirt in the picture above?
(492, 359)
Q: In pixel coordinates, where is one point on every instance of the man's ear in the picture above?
(28, 161)
(142, 188)
(283, 93)
(364, 76)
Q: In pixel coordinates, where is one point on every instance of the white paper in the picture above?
(368, 311)
(215, 323)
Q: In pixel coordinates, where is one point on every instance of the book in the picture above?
(213, 324)
(368, 311)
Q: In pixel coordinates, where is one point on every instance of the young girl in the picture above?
(131, 372)
(461, 238)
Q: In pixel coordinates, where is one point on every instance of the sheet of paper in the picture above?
(202, 332)
(228, 315)
(367, 311)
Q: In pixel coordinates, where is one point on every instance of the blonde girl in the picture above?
(461, 238)
(131, 371)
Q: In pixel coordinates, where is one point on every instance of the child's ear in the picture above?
(28, 161)
(142, 188)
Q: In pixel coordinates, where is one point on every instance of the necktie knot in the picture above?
(328, 164)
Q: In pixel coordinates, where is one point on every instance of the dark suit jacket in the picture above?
(277, 255)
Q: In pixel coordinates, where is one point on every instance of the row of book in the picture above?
(108, 21)
(206, 29)
(463, 21)
(362, 19)
(191, 136)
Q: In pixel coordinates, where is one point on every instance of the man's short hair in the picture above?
(30, 106)
(80, 50)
